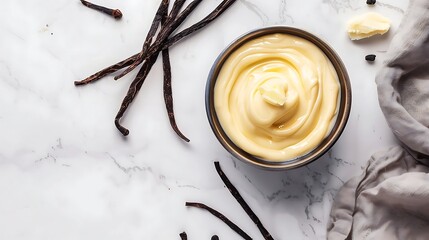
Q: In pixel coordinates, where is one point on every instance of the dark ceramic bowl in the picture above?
(325, 145)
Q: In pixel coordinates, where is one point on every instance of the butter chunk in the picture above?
(273, 95)
(367, 25)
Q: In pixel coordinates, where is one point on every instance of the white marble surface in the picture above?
(67, 173)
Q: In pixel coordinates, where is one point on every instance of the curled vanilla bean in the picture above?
(116, 13)
(222, 217)
(243, 203)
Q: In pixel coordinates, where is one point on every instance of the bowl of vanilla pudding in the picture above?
(278, 97)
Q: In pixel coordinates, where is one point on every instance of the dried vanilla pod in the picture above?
(116, 13)
(164, 37)
(222, 217)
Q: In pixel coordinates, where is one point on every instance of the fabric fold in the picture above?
(391, 195)
(389, 200)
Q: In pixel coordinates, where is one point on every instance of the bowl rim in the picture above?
(325, 145)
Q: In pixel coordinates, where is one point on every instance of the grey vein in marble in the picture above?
(341, 5)
(129, 170)
(47, 158)
(283, 13)
(390, 6)
(256, 10)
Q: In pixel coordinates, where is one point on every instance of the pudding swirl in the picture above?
(276, 97)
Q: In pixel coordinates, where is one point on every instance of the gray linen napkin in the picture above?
(390, 200)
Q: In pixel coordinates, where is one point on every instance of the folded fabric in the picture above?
(403, 83)
(390, 200)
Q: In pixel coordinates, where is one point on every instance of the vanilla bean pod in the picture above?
(160, 13)
(243, 203)
(149, 54)
(167, 90)
(168, 94)
(116, 13)
(165, 20)
(172, 22)
(170, 42)
(183, 236)
(132, 92)
(222, 217)
(222, 7)
(144, 71)
(106, 71)
(162, 9)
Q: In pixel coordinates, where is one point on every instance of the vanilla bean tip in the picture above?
(121, 129)
(78, 83)
(117, 14)
(120, 75)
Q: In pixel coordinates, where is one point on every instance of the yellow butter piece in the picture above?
(274, 95)
(367, 25)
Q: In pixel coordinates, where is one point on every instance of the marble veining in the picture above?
(66, 173)
(257, 11)
(390, 6)
(341, 5)
(284, 16)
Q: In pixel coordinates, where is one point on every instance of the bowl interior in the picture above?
(325, 145)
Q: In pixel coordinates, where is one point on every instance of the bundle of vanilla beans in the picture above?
(162, 35)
